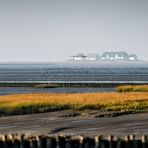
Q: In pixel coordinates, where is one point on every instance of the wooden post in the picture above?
(126, 139)
(62, 141)
(81, 140)
(22, 145)
(120, 143)
(112, 142)
(16, 141)
(133, 142)
(100, 142)
(96, 141)
(3, 141)
(33, 142)
(68, 142)
(41, 141)
(144, 141)
(89, 142)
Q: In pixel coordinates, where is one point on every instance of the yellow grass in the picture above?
(90, 98)
(31, 103)
(132, 88)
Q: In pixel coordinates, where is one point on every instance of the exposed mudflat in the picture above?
(59, 122)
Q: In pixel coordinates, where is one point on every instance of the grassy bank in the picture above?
(35, 103)
(132, 88)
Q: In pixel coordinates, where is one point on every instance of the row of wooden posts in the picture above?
(75, 141)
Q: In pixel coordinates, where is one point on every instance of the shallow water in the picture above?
(22, 90)
(55, 72)
(68, 72)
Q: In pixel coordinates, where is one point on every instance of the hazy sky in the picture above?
(52, 30)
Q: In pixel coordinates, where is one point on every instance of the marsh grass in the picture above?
(39, 103)
(132, 88)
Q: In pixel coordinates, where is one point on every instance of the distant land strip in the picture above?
(53, 84)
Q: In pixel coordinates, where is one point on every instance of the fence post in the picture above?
(144, 141)
(33, 142)
(3, 141)
(110, 139)
(133, 141)
(120, 143)
(100, 142)
(68, 142)
(60, 141)
(16, 141)
(51, 142)
(81, 141)
(22, 141)
(96, 141)
(126, 139)
(89, 142)
(26, 141)
(41, 141)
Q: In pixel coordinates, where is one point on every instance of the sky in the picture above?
(53, 30)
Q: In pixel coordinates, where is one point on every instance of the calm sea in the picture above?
(71, 72)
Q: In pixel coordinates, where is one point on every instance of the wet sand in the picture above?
(54, 123)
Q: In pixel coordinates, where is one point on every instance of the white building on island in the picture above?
(133, 57)
(114, 56)
(92, 57)
(122, 56)
(79, 57)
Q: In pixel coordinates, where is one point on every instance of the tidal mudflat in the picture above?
(55, 123)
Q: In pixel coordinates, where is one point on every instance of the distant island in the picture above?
(109, 56)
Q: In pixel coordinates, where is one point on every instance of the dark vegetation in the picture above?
(54, 85)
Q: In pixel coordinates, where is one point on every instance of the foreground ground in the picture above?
(88, 113)
(54, 123)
